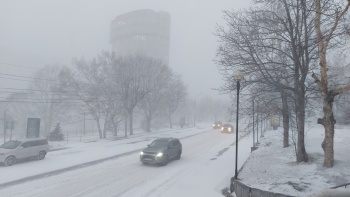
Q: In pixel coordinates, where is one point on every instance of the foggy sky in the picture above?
(35, 33)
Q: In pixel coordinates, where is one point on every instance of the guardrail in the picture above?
(242, 190)
(342, 185)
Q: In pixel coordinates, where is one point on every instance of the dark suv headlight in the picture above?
(159, 154)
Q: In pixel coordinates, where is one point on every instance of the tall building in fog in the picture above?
(142, 31)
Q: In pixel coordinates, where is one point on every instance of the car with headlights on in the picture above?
(227, 128)
(161, 151)
(217, 125)
(14, 150)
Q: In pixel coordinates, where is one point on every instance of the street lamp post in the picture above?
(238, 76)
(257, 122)
(253, 125)
(194, 115)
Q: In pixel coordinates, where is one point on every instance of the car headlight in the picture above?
(159, 154)
(141, 153)
(222, 128)
(229, 129)
(213, 125)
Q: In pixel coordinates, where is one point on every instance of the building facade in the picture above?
(142, 31)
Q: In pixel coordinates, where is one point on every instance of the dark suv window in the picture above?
(171, 144)
(159, 143)
(176, 142)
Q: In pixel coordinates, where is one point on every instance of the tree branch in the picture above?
(340, 90)
(336, 22)
(316, 80)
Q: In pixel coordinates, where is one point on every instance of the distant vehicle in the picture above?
(14, 150)
(161, 151)
(227, 128)
(217, 125)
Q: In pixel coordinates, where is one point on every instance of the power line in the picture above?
(26, 77)
(23, 89)
(17, 79)
(27, 67)
(34, 102)
(43, 99)
(33, 93)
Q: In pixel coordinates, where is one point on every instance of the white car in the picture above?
(14, 150)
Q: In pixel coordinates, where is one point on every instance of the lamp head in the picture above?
(238, 75)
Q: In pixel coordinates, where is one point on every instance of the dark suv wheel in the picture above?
(165, 162)
(178, 156)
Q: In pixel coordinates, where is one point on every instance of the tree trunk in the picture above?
(148, 125)
(285, 116)
(130, 123)
(115, 126)
(170, 122)
(99, 127)
(328, 123)
(300, 104)
(115, 130)
(104, 129)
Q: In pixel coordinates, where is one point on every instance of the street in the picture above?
(203, 162)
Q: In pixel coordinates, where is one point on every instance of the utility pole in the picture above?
(126, 128)
(84, 124)
(4, 126)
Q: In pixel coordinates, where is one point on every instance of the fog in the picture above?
(35, 33)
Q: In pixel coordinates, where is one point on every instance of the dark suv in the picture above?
(161, 151)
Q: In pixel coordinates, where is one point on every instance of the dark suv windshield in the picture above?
(159, 143)
(11, 144)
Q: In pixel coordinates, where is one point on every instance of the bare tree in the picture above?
(86, 84)
(41, 100)
(151, 104)
(113, 105)
(175, 94)
(19, 107)
(135, 77)
(274, 44)
(324, 38)
(49, 104)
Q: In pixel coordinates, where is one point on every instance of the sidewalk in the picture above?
(273, 168)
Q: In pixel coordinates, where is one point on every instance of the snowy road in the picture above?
(207, 162)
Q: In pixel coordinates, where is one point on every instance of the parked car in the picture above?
(217, 125)
(14, 150)
(227, 128)
(161, 151)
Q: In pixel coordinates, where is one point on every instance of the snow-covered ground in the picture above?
(273, 168)
(206, 166)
